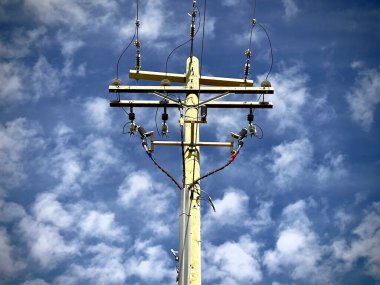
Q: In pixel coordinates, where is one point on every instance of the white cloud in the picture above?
(46, 244)
(147, 257)
(78, 163)
(45, 79)
(298, 252)
(105, 267)
(291, 95)
(17, 138)
(332, 168)
(21, 41)
(98, 224)
(47, 209)
(10, 211)
(8, 265)
(71, 13)
(231, 210)
(232, 263)
(139, 191)
(12, 78)
(291, 8)
(35, 282)
(98, 113)
(230, 3)
(363, 98)
(289, 160)
(365, 245)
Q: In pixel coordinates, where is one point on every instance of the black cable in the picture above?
(203, 37)
(183, 154)
(121, 55)
(271, 50)
(155, 119)
(232, 158)
(179, 46)
(163, 170)
(134, 35)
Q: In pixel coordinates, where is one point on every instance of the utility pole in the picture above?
(189, 255)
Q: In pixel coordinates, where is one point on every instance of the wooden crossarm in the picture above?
(186, 90)
(181, 78)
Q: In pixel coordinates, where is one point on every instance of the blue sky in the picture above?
(80, 203)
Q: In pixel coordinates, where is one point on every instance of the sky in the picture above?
(81, 203)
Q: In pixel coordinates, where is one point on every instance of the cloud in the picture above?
(291, 94)
(79, 163)
(333, 167)
(232, 263)
(71, 13)
(363, 98)
(17, 138)
(46, 244)
(8, 265)
(35, 282)
(10, 212)
(364, 246)
(12, 77)
(21, 42)
(231, 211)
(298, 253)
(145, 258)
(101, 225)
(98, 113)
(105, 266)
(291, 9)
(289, 160)
(141, 193)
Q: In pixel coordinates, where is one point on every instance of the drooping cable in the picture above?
(163, 170)
(121, 55)
(232, 158)
(179, 46)
(133, 38)
(271, 50)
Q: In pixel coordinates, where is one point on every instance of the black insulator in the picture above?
(246, 68)
(141, 131)
(192, 31)
(250, 117)
(243, 133)
(203, 112)
(165, 116)
(131, 116)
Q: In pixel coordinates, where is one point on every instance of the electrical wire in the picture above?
(121, 55)
(179, 46)
(203, 37)
(163, 170)
(271, 50)
(126, 48)
(232, 158)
